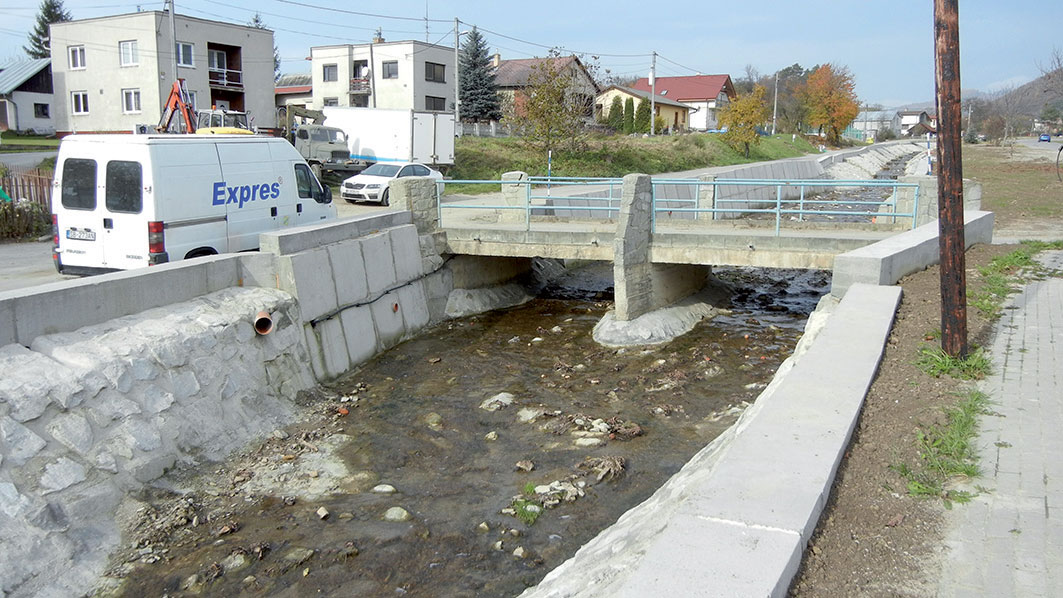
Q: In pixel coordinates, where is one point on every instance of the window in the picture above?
(329, 72)
(391, 69)
(77, 57)
(185, 54)
(40, 111)
(124, 187)
(406, 171)
(360, 101)
(79, 184)
(434, 103)
(127, 53)
(79, 102)
(304, 181)
(130, 101)
(331, 102)
(435, 72)
(216, 59)
(192, 100)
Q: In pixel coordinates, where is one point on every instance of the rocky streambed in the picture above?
(467, 462)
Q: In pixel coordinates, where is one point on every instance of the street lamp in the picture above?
(457, 74)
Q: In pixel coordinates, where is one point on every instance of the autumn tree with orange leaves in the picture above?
(830, 99)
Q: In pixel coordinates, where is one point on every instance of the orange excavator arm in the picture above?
(177, 103)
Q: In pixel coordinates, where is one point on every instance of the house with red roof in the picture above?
(704, 94)
(294, 89)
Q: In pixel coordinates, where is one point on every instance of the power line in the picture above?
(361, 14)
(524, 41)
(679, 65)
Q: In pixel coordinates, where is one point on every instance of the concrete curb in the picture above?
(887, 261)
(735, 520)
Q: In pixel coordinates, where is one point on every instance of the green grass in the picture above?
(1014, 191)
(481, 158)
(934, 361)
(947, 452)
(528, 511)
(10, 141)
(1003, 273)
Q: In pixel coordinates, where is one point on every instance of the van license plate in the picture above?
(81, 235)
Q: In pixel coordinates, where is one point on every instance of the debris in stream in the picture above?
(607, 468)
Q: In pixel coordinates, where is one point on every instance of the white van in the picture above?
(128, 201)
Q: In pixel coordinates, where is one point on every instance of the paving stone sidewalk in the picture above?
(1009, 541)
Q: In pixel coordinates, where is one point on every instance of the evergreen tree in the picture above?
(51, 11)
(629, 116)
(616, 114)
(257, 23)
(476, 85)
(642, 117)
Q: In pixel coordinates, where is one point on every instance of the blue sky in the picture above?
(888, 46)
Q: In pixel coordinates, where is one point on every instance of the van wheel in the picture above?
(316, 169)
(384, 198)
(202, 252)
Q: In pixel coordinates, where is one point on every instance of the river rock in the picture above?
(298, 556)
(519, 552)
(434, 421)
(384, 489)
(499, 401)
(235, 562)
(589, 441)
(529, 414)
(491, 436)
(397, 514)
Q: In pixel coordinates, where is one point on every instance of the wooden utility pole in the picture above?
(950, 179)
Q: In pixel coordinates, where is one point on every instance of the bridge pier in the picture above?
(641, 286)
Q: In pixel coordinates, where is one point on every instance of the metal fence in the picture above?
(781, 200)
(489, 129)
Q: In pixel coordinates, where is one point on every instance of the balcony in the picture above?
(360, 86)
(225, 78)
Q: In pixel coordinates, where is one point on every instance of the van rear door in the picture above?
(125, 226)
(80, 224)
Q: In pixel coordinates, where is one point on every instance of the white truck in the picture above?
(384, 135)
(129, 201)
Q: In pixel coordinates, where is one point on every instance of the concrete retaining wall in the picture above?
(887, 261)
(735, 520)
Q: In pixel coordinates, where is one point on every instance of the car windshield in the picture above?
(328, 136)
(387, 170)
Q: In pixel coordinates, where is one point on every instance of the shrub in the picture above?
(23, 220)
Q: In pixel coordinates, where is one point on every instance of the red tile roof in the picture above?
(689, 89)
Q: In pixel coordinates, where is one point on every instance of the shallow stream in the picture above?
(605, 427)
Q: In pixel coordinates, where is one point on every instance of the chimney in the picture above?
(378, 37)
(496, 60)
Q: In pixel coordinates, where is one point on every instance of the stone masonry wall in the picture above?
(90, 415)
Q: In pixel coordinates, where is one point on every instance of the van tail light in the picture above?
(55, 229)
(156, 237)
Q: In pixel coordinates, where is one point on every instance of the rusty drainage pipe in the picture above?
(263, 323)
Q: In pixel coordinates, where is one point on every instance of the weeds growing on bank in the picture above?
(946, 452)
(934, 361)
(1003, 273)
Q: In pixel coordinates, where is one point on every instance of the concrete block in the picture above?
(315, 352)
(360, 333)
(348, 270)
(333, 347)
(8, 334)
(303, 238)
(257, 270)
(379, 262)
(413, 305)
(308, 277)
(387, 318)
(406, 252)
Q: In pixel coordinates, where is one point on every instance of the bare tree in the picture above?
(1053, 73)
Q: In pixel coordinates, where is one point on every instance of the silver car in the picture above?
(372, 183)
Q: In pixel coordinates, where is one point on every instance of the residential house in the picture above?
(916, 122)
(674, 114)
(705, 94)
(113, 73)
(294, 89)
(870, 123)
(512, 76)
(409, 75)
(26, 96)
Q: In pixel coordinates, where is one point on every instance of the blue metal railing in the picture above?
(801, 206)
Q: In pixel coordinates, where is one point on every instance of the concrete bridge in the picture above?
(664, 235)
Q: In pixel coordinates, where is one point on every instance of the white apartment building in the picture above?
(113, 73)
(409, 75)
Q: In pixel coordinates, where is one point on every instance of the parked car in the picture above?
(372, 183)
(1044, 137)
